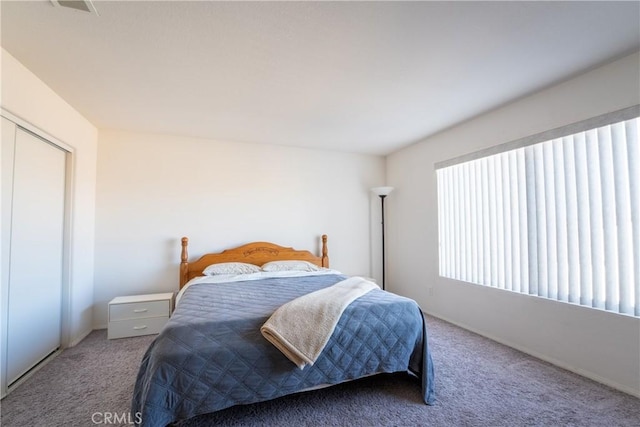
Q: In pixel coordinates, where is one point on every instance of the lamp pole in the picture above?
(382, 192)
(382, 196)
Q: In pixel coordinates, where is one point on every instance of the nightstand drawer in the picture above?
(136, 327)
(139, 310)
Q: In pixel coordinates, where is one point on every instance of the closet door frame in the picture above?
(65, 327)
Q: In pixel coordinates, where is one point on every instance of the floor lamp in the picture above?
(382, 192)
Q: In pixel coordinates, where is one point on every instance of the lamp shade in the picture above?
(382, 191)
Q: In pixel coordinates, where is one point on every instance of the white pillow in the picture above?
(230, 268)
(290, 265)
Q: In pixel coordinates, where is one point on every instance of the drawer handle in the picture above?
(136, 328)
(140, 310)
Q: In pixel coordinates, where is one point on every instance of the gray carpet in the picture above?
(478, 383)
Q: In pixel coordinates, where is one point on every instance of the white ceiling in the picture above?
(367, 77)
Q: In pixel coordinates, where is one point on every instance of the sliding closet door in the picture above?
(36, 253)
(6, 168)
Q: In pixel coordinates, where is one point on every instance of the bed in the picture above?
(211, 355)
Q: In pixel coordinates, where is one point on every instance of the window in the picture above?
(556, 215)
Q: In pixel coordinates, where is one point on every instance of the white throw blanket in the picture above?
(302, 327)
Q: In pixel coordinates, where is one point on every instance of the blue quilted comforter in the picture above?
(211, 355)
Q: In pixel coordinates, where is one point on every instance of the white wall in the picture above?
(598, 344)
(154, 189)
(24, 95)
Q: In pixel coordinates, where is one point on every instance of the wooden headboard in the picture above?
(257, 253)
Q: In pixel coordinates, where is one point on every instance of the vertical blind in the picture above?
(558, 219)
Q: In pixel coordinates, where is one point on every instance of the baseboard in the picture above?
(553, 361)
(80, 337)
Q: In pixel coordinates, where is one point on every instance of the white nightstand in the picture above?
(136, 315)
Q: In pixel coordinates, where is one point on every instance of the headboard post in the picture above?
(325, 257)
(184, 264)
